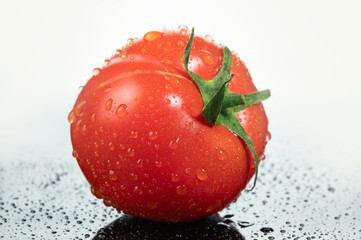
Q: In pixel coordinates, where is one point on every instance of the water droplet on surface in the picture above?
(266, 230)
(133, 176)
(244, 224)
(106, 62)
(214, 206)
(71, 116)
(83, 130)
(96, 71)
(202, 174)
(133, 134)
(183, 29)
(221, 154)
(138, 191)
(181, 190)
(268, 137)
(167, 101)
(122, 110)
(158, 164)
(153, 135)
(112, 175)
(180, 43)
(174, 143)
(78, 125)
(207, 58)
(130, 152)
(152, 35)
(78, 111)
(93, 117)
(75, 154)
(130, 42)
(187, 170)
(175, 177)
(111, 146)
(97, 193)
(108, 104)
(139, 163)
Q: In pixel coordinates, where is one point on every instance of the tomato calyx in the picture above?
(221, 105)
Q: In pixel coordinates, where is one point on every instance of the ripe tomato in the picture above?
(140, 138)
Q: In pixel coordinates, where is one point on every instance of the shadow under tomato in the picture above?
(133, 228)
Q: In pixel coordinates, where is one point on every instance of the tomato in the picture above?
(141, 141)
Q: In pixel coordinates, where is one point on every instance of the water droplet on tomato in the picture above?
(139, 163)
(133, 134)
(131, 57)
(268, 137)
(130, 152)
(83, 130)
(123, 53)
(208, 38)
(96, 154)
(158, 164)
(262, 157)
(97, 193)
(96, 71)
(167, 101)
(221, 154)
(174, 143)
(75, 154)
(108, 104)
(152, 35)
(152, 205)
(175, 177)
(71, 117)
(181, 190)
(130, 42)
(112, 175)
(187, 170)
(107, 203)
(78, 110)
(93, 117)
(202, 174)
(111, 146)
(78, 125)
(133, 176)
(153, 135)
(106, 62)
(180, 43)
(122, 110)
(138, 191)
(214, 207)
(183, 29)
(207, 58)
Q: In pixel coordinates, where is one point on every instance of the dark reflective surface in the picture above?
(131, 228)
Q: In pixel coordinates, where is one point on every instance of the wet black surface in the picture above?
(43, 195)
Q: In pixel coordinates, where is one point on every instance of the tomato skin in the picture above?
(140, 138)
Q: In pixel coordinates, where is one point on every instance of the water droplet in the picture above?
(78, 125)
(221, 154)
(130, 42)
(153, 135)
(266, 230)
(107, 203)
(97, 193)
(183, 29)
(151, 105)
(187, 170)
(133, 176)
(75, 154)
(175, 177)
(158, 164)
(96, 154)
(139, 163)
(130, 152)
(79, 109)
(71, 117)
(167, 101)
(152, 205)
(112, 175)
(83, 130)
(207, 58)
(122, 110)
(214, 207)
(93, 117)
(96, 71)
(202, 174)
(111, 146)
(180, 43)
(174, 143)
(152, 35)
(123, 54)
(208, 38)
(106, 62)
(181, 190)
(268, 137)
(131, 57)
(133, 134)
(108, 104)
(138, 191)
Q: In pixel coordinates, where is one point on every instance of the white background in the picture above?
(306, 52)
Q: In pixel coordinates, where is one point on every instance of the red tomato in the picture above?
(140, 138)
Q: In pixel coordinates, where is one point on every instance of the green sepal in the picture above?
(220, 105)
